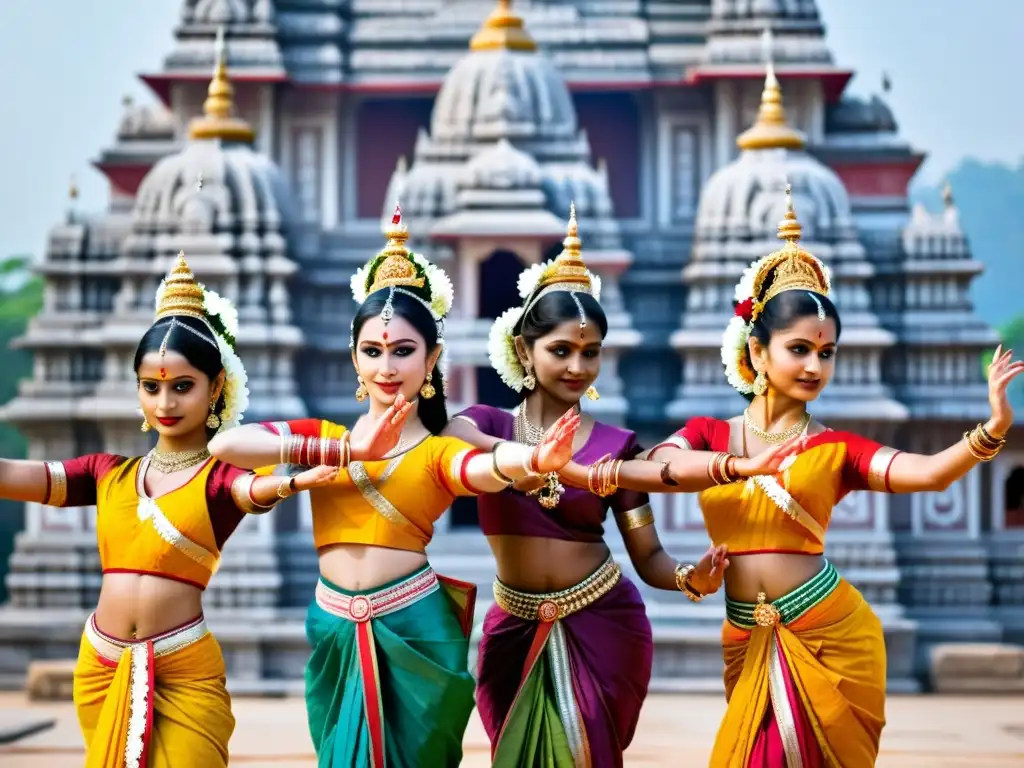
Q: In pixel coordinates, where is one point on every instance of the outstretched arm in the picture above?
(24, 480)
(70, 483)
(910, 472)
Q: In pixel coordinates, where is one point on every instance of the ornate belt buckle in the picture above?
(360, 609)
(547, 611)
(765, 614)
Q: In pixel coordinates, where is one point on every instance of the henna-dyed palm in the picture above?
(1001, 372)
(385, 434)
(555, 449)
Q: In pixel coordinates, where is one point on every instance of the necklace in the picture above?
(175, 461)
(774, 438)
(526, 431)
(403, 445)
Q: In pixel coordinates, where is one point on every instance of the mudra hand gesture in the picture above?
(770, 462)
(707, 577)
(385, 434)
(555, 448)
(1001, 372)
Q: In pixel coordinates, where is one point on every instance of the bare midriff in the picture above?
(532, 564)
(135, 606)
(773, 573)
(362, 566)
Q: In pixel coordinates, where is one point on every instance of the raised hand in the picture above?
(771, 461)
(385, 434)
(707, 577)
(555, 449)
(315, 477)
(1001, 372)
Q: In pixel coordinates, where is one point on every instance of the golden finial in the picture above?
(502, 30)
(218, 122)
(770, 130)
(182, 295)
(789, 227)
(568, 267)
(397, 268)
(947, 194)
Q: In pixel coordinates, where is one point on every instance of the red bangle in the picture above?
(535, 460)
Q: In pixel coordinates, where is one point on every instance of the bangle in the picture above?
(982, 445)
(666, 474)
(495, 469)
(683, 573)
(286, 487)
(346, 449)
(534, 463)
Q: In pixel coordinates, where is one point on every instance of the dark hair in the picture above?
(433, 412)
(553, 309)
(785, 309)
(200, 350)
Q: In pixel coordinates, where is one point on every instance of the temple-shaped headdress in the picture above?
(791, 268)
(567, 272)
(180, 295)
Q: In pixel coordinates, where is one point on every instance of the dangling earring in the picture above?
(760, 383)
(361, 391)
(213, 420)
(427, 391)
(592, 393)
(529, 381)
(145, 426)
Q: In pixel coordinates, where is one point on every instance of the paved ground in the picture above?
(675, 730)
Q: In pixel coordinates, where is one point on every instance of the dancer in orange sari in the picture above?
(149, 684)
(804, 653)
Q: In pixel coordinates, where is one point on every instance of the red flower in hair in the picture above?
(745, 309)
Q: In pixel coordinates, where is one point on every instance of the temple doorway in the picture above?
(1014, 499)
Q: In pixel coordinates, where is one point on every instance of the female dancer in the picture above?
(804, 653)
(567, 650)
(149, 683)
(387, 682)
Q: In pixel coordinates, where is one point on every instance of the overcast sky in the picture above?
(66, 64)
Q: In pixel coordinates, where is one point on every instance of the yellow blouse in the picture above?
(390, 503)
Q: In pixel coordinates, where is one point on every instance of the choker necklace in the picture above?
(774, 438)
(526, 431)
(175, 461)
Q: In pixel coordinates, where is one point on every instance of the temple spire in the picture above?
(217, 121)
(502, 30)
(770, 130)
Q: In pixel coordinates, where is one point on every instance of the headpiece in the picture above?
(568, 272)
(179, 295)
(791, 269)
(398, 270)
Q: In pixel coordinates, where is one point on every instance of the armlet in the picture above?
(56, 484)
(241, 494)
(674, 441)
(632, 519)
(878, 469)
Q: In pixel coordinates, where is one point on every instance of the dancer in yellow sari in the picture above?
(804, 653)
(149, 685)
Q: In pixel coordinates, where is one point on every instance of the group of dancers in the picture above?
(566, 653)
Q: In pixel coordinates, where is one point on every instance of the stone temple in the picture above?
(673, 125)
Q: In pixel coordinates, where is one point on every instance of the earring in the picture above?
(361, 391)
(145, 426)
(529, 381)
(427, 391)
(592, 393)
(760, 383)
(213, 420)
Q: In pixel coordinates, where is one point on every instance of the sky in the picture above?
(66, 64)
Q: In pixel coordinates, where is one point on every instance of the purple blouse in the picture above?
(580, 515)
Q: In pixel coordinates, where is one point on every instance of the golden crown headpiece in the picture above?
(794, 268)
(398, 267)
(182, 295)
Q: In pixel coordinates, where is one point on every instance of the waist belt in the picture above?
(111, 648)
(787, 608)
(549, 606)
(362, 608)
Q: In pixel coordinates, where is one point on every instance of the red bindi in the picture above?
(163, 373)
(385, 335)
(819, 335)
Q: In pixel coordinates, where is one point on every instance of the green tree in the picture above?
(21, 297)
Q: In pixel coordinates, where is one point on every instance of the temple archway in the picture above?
(498, 291)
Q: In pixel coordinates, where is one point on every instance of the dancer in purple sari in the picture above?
(566, 654)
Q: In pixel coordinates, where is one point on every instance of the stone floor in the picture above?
(675, 730)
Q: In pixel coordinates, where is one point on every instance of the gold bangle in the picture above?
(283, 486)
(683, 573)
(640, 517)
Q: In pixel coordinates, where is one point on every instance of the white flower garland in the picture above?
(442, 293)
(501, 345)
(737, 333)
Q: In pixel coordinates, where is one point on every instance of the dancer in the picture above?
(566, 655)
(149, 683)
(804, 652)
(387, 682)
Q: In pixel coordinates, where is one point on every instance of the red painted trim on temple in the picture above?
(125, 178)
(882, 179)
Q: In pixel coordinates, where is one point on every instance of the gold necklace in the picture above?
(526, 431)
(774, 438)
(176, 461)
